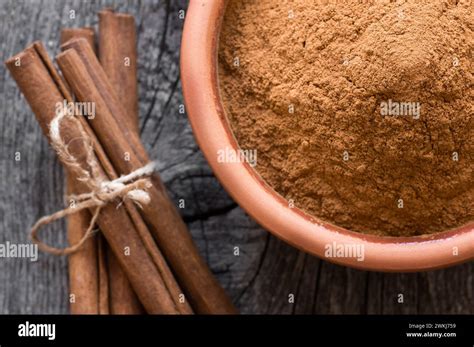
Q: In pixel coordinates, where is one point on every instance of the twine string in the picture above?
(131, 186)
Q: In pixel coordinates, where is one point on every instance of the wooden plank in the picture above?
(266, 271)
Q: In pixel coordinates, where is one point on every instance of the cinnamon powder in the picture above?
(328, 93)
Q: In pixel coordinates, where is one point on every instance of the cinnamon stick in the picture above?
(104, 274)
(118, 58)
(120, 298)
(83, 264)
(43, 89)
(85, 32)
(83, 72)
(88, 278)
(84, 272)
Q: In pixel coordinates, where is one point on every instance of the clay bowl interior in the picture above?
(212, 131)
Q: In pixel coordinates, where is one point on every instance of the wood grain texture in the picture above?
(267, 270)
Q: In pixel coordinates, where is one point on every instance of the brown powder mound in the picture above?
(305, 84)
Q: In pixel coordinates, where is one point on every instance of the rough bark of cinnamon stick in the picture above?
(104, 275)
(43, 89)
(85, 32)
(84, 281)
(83, 72)
(88, 277)
(118, 56)
(121, 298)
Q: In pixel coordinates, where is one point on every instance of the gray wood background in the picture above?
(267, 270)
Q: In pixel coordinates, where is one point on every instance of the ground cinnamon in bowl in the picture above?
(361, 112)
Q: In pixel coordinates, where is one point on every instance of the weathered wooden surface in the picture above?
(267, 270)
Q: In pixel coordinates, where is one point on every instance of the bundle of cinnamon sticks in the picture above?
(143, 259)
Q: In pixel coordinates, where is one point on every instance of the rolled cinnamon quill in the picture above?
(44, 89)
(84, 32)
(116, 295)
(88, 275)
(118, 57)
(87, 79)
(85, 276)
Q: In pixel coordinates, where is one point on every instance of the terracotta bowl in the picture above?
(268, 208)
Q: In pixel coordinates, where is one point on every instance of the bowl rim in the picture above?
(198, 64)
